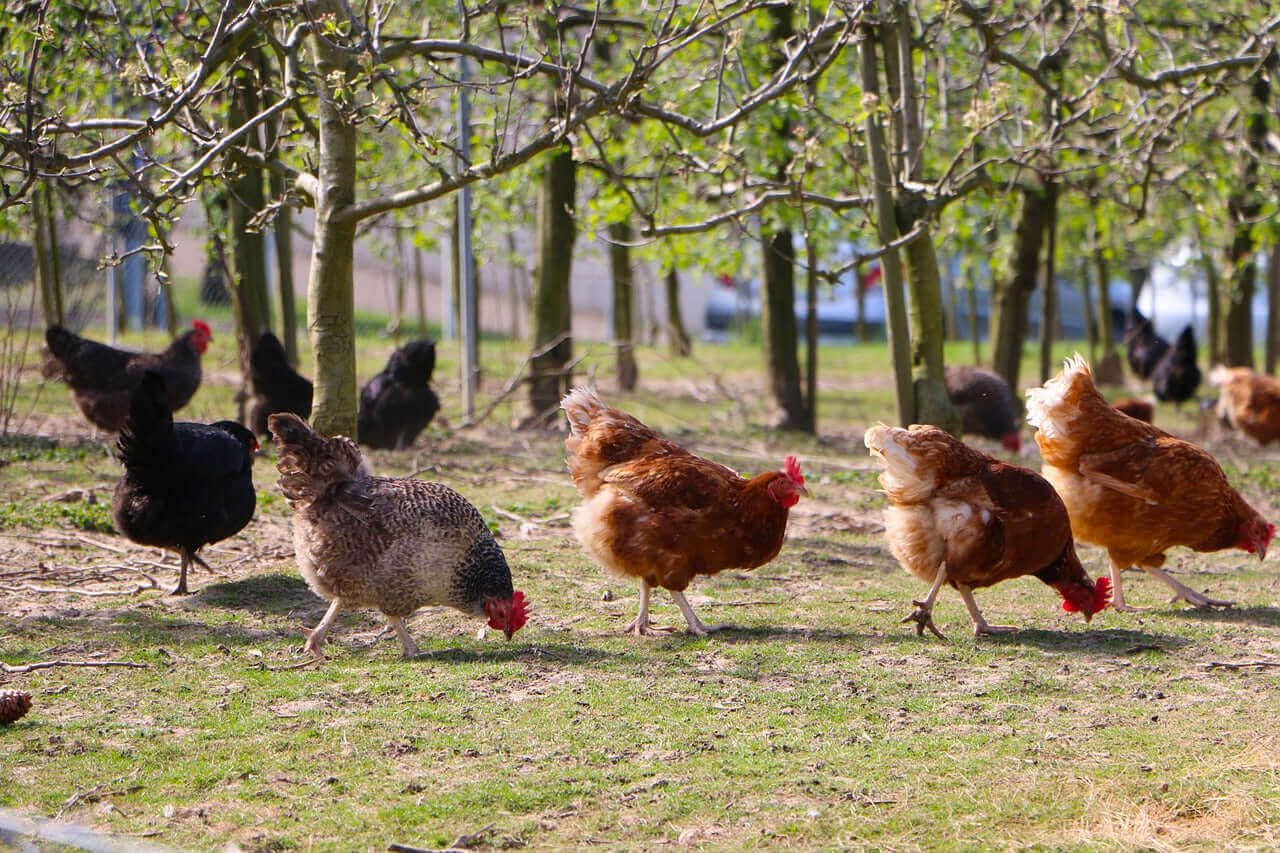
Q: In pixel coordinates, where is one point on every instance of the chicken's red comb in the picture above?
(791, 467)
(1101, 597)
(202, 326)
(519, 611)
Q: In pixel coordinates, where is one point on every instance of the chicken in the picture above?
(656, 513)
(959, 516)
(1248, 401)
(985, 404)
(1143, 410)
(277, 387)
(104, 378)
(185, 485)
(1133, 488)
(392, 544)
(1143, 347)
(398, 403)
(1176, 377)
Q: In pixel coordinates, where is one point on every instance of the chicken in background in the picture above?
(277, 387)
(1176, 377)
(1143, 347)
(1143, 410)
(392, 544)
(398, 403)
(1133, 488)
(1248, 401)
(960, 517)
(986, 405)
(103, 378)
(655, 513)
(185, 485)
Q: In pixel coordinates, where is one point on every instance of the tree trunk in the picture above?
(1273, 306)
(283, 228)
(860, 323)
(1138, 275)
(398, 275)
(1245, 209)
(924, 284)
(1049, 302)
(1011, 294)
(552, 305)
(677, 336)
(887, 228)
(1086, 301)
(811, 329)
(330, 288)
(43, 248)
(420, 285)
(778, 283)
(620, 238)
(975, 338)
(250, 303)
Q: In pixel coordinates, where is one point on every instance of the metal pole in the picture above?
(466, 260)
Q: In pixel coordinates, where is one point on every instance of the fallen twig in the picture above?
(48, 664)
(1237, 665)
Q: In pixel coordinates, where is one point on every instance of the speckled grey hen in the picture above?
(392, 544)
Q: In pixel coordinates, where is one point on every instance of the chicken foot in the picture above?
(696, 628)
(185, 557)
(923, 614)
(407, 645)
(1181, 592)
(640, 625)
(1117, 591)
(315, 636)
(980, 626)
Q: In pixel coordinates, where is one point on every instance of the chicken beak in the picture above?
(802, 490)
(508, 632)
(1262, 551)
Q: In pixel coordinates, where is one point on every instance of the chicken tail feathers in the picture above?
(311, 466)
(581, 405)
(147, 433)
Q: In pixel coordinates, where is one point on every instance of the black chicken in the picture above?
(1143, 347)
(985, 404)
(277, 387)
(185, 485)
(398, 403)
(1176, 377)
(104, 378)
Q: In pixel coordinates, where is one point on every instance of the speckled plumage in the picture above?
(392, 544)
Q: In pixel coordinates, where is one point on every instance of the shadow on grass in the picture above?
(486, 652)
(1104, 642)
(276, 593)
(731, 633)
(1268, 616)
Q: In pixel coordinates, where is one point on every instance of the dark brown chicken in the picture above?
(1133, 488)
(655, 513)
(104, 378)
(960, 517)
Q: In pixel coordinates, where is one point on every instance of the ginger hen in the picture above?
(654, 512)
(1133, 488)
(960, 517)
(1249, 401)
(392, 544)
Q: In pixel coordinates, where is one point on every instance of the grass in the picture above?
(818, 721)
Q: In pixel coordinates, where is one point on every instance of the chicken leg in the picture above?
(640, 625)
(1185, 593)
(980, 626)
(407, 645)
(696, 628)
(1117, 591)
(315, 636)
(923, 614)
(185, 557)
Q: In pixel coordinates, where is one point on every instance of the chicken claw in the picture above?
(923, 617)
(315, 638)
(1200, 600)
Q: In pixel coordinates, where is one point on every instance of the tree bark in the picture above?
(1086, 299)
(1244, 208)
(1011, 294)
(677, 336)
(778, 283)
(811, 328)
(283, 228)
(251, 308)
(1273, 307)
(420, 284)
(877, 153)
(398, 274)
(330, 288)
(620, 237)
(1049, 301)
(932, 404)
(43, 248)
(552, 304)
